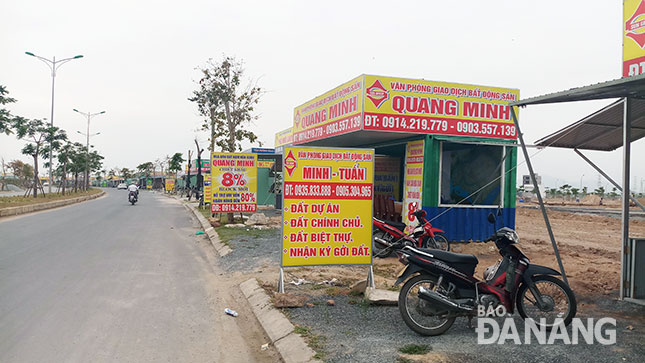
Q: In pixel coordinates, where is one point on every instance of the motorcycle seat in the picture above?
(452, 257)
(398, 225)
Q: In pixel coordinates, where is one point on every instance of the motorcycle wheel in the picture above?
(439, 242)
(418, 314)
(378, 250)
(559, 297)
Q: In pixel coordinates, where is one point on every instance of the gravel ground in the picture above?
(352, 331)
(251, 253)
(359, 333)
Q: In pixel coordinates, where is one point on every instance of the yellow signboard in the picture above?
(413, 187)
(429, 107)
(234, 179)
(327, 218)
(170, 184)
(633, 37)
(208, 195)
(333, 113)
(284, 137)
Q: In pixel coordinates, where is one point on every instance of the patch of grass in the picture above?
(404, 360)
(416, 349)
(302, 330)
(355, 293)
(18, 201)
(205, 211)
(334, 291)
(318, 287)
(227, 234)
(314, 341)
(394, 288)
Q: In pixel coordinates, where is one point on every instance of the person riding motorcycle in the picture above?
(133, 188)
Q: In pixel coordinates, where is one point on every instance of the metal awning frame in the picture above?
(626, 88)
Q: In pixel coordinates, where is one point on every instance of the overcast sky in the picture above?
(140, 59)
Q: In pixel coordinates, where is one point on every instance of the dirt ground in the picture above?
(589, 246)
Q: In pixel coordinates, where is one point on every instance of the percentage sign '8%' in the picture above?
(228, 179)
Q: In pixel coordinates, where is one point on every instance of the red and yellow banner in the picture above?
(413, 187)
(208, 191)
(268, 164)
(633, 37)
(327, 218)
(170, 184)
(429, 107)
(234, 179)
(333, 113)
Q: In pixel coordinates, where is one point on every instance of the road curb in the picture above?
(13, 211)
(291, 346)
(217, 244)
(220, 247)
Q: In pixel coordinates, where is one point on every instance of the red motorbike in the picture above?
(440, 286)
(389, 236)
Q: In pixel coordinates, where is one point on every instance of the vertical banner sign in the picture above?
(170, 184)
(327, 218)
(413, 188)
(208, 195)
(234, 179)
(387, 173)
(149, 183)
(633, 37)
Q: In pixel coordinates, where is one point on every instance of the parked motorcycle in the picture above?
(440, 287)
(388, 236)
(133, 197)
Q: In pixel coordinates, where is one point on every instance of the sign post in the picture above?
(327, 207)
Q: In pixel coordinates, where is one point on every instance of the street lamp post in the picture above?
(87, 148)
(53, 64)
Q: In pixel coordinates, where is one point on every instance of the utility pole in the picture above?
(188, 175)
(53, 65)
(200, 179)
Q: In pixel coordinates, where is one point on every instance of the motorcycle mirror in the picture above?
(491, 218)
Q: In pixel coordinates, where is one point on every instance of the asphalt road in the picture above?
(106, 281)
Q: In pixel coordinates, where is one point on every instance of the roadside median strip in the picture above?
(290, 345)
(12, 211)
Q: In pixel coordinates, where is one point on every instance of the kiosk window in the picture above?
(465, 169)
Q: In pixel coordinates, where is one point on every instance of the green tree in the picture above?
(227, 106)
(175, 163)
(5, 115)
(95, 163)
(38, 135)
(78, 162)
(575, 192)
(600, 191)
(24, 172)
(565, 189)
(126, 173)
(64, 157)
(145, 169)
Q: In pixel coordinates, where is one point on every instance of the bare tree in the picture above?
(227, 106)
